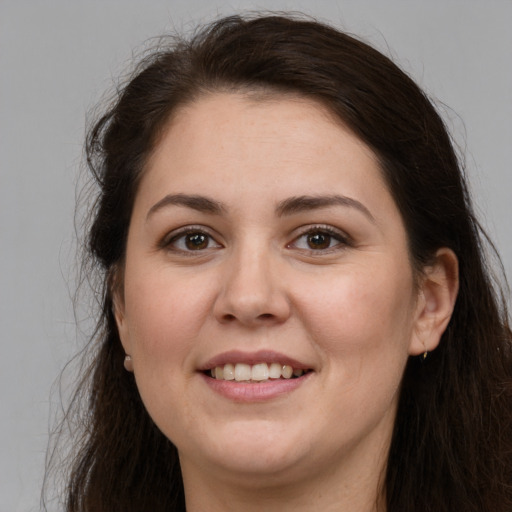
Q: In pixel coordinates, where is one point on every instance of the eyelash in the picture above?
(333, 234)
(170, 242)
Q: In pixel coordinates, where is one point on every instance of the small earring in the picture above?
(425, 355)
(128, 363)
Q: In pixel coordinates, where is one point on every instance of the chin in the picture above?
(255, 450)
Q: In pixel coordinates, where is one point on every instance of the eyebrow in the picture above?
(290, 206)
(300, 204)
(195, 202)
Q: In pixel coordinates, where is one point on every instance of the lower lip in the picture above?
(257, 391)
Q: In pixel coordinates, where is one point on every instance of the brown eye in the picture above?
(191, 241)
(319, 240)
(196, 241)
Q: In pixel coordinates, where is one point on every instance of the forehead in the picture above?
(250, 139)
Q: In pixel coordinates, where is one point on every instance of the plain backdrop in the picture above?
(57, 57)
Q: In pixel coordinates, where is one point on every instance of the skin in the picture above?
(350, 309)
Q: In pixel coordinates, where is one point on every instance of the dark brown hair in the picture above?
(452, 443)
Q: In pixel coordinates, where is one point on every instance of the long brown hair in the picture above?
(452, 442)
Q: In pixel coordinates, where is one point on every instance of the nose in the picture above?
(252, 292)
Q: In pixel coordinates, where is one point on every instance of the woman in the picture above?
(297, 313)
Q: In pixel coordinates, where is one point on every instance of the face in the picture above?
(264, 243)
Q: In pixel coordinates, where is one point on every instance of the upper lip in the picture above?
(260, 356)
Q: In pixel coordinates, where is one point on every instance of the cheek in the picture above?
(362, 329)
(165, 316)
(360, 310)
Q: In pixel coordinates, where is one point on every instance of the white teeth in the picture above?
(287, 371)
(229, 372)
(257, 372)
(274, 371)
(242, 372)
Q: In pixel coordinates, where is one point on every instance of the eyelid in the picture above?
(344, 240)
(167, 241)
(342, 237)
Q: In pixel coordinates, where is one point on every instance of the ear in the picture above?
(118, 306)
(439, 285)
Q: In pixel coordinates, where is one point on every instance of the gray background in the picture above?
(58, 57)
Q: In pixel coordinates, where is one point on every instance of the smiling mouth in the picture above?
(241, 372)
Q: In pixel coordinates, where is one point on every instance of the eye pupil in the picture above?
(195, 241)
(319, 240)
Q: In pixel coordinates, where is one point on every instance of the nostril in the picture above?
(264, 317)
